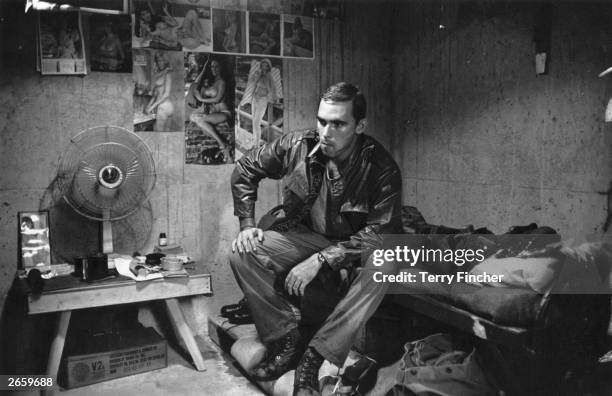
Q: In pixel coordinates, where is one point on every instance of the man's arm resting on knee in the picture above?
(264, 162)
(247, 239)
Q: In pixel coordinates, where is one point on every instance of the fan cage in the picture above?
(91, 150)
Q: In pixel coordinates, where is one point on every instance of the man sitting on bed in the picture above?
(342, 190)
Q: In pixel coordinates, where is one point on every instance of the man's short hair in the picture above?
(344, 92)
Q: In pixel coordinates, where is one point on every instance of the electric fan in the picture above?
(106, 174)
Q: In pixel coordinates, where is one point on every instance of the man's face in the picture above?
(338, 129)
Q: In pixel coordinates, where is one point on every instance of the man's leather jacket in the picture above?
(371, 203)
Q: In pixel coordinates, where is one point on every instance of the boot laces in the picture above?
(309, 368)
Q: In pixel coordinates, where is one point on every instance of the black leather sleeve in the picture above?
(267, 161)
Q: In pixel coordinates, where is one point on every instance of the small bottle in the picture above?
(163, 241)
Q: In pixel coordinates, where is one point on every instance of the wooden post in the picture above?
(176, 315)
(57, 347)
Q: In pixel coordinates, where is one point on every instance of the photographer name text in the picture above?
(427, 277)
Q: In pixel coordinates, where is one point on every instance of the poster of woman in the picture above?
(209, 108)
(259, 94)
(264, 34)
(298, 37)
(158, 90)
(229, 31)
(110, 44)
(172, 25)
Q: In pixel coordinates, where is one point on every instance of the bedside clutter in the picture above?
(547, 314)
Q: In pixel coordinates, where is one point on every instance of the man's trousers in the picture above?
(261, 276)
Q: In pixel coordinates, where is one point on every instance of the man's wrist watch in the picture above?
(322, 260)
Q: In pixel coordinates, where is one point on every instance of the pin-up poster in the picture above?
(209, 108)
(298, 36)
(109, 43)
(172, 25)
(229, 31)
(264, 34)
(259, 99)
(158, 90)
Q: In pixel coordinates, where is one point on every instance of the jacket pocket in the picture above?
(356, 215)
(297, 181)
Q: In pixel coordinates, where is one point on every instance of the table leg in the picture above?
(57, 346)
(176, 315)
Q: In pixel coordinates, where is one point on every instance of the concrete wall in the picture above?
(191, 203)
(482, 140)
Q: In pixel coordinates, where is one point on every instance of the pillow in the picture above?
(504, 306)
(535, 273)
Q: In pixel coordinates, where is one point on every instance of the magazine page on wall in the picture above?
(109, 43)
(60, 43)
(229, 31)
(259, 98)
(264, 34)
(172, 25)
(209, 108)
(298, 36)
(158, 90)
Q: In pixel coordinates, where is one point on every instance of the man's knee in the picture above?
(238, 261)
(248, 261)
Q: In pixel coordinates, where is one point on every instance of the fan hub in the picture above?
(110, 176)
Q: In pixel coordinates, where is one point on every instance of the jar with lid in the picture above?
(163, 240)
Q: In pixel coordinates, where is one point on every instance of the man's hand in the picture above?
(301, 275)
(247, 240)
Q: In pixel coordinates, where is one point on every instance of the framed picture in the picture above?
(34, 247)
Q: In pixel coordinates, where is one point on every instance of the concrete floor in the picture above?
(179, 378)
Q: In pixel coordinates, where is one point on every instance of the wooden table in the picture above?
(67, 293)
